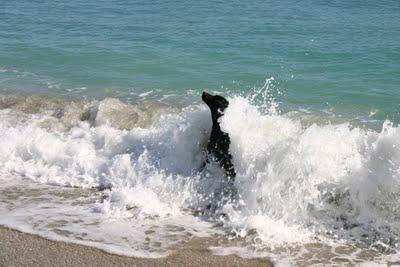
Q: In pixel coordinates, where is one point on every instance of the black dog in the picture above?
(219, 142)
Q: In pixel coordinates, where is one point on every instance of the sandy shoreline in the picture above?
(20, 249)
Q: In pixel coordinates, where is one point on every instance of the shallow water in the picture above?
(338, 56)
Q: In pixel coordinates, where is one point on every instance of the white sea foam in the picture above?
(293, 174)
(296, 183)
(145, 94)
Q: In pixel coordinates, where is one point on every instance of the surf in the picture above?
(297, 183)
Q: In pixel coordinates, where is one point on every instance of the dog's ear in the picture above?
(215, 102)
(221, 102)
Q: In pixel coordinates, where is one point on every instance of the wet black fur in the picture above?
(219, 142)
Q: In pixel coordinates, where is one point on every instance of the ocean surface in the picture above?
(103, 132)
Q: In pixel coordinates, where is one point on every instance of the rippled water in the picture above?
(337, 56)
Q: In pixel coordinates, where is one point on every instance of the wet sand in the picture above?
(20, 249)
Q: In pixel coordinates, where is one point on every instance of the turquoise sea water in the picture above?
(336, 56)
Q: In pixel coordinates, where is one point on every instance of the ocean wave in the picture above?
(297, 183)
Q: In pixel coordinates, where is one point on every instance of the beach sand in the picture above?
(20, 249)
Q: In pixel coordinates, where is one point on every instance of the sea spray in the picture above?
(333, 179)
(297, 184)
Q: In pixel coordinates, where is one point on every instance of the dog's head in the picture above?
(216, 103)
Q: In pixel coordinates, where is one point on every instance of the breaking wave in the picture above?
(297, 183)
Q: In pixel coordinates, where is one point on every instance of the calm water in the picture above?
(335, 56)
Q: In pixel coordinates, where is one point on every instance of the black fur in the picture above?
(219, 142)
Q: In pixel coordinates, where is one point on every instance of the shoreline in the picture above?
(21, 249)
